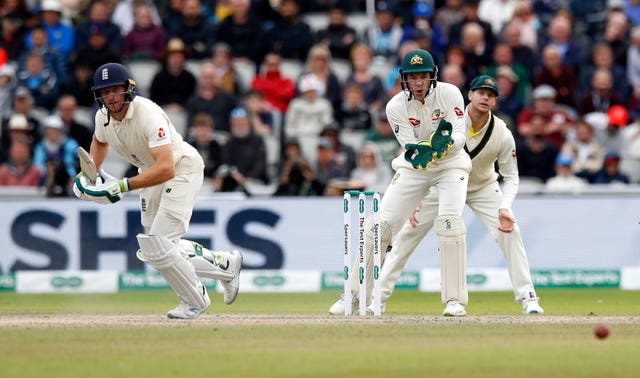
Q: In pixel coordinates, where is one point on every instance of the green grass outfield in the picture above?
(290, 335)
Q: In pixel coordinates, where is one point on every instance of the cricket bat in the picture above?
(87, 166)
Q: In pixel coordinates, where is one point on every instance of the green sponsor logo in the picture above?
(409, 280)
(332, 281)
(335, 281)
(270, 280)
(72, 282)
(476, 279)
(141, 280)
(576, 278)
(7, 282)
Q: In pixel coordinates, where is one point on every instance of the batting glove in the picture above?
(81, 181)
(104, 193)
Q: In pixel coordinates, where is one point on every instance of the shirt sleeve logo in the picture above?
(161, 133)
(414, 122)
(458, 111)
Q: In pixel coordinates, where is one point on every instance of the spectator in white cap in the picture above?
(55, 155)
(308, 113)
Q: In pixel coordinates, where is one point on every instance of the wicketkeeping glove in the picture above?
(420, 155)
(440, 139)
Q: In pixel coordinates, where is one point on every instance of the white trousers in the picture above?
(484, 203)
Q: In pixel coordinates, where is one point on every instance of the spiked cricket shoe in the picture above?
(454, 308)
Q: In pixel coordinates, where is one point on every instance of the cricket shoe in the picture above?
(530, 306)
(383, 308)
(187, 311)
(338, 307)
(232, 286)
(454, 308)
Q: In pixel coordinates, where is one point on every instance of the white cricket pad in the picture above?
(452, 242)
(163, 255)
(204, 261)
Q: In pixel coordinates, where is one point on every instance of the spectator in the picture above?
(527, 22)
(371, 171)
(145, 38)
(382, 135)
(585, 152)
(343, 154)
(536, 156)
(67, 107)
(171, 14)
(173, 85)
(13, 35)
(453, 74)
(40, 80)
(354, 112)
(601, 94)
(497, 13)
(19, 170)
(565, 181)
(327, 169)
(559, 34)
(22, 120)
(602, 58)
(98, 51)
(7, 84)
(503, 56)
(210, 99)
(610, 136)
(394, 75)
(615, 35)
(477, 52)
(470, 10)
(308, 112)
(448, 14)
(53, 61)
(289, 36)
(338, 36)
(241, 30)
(509, 104)
(245, 150)
(195, 30)
(55, 156)
(610, 172)
(202, 138)
(278, 90)
(99, 16)
(372, 87)
(125, 15)
(558, 121)
(422, 26)
(298, 178)
(384, 36)
(522, 54)
(559, 75)
(319, 63)
(79, 83)
(226, 76)
(60, 35)
(263, 117)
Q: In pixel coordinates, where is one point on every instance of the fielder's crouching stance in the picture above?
(170, 176)
(428, 120)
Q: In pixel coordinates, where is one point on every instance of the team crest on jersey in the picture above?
(161, 133)
(414, 122)
(437, 115)
(458, 111)
(416, 59)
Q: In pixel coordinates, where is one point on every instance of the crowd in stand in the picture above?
(274, 99)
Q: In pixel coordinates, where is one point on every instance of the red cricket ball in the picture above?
(601, 331)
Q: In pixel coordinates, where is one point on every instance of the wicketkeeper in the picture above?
(170, 176)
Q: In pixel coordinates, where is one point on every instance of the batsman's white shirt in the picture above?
(411, 122)
(485, 198)
(166, 208)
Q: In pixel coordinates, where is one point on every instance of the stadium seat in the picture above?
(143, 71)
(193, 66)
(341, 68)
(246, 71)
(291, 68)
(360, 21)
(179, 119)
(316, 20)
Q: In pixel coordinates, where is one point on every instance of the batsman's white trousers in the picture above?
(166, 208)
(485, 204)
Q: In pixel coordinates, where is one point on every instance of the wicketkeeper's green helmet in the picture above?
(417, 61)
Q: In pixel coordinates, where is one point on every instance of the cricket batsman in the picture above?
(427, 119)
(169, 179)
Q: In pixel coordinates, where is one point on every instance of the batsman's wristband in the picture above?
(124, 184)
